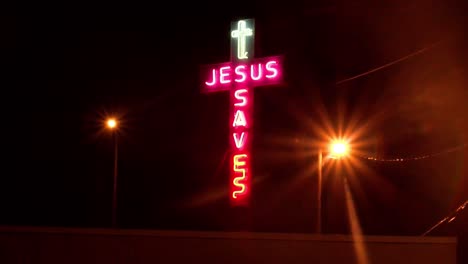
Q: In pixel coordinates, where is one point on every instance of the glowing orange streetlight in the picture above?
(112, 124)
(338, 149)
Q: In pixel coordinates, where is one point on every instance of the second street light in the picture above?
(337, 149)
(112, 124)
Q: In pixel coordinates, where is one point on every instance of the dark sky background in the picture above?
(64, 74)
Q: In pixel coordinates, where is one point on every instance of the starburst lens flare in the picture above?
(111, 123)
(339, 149)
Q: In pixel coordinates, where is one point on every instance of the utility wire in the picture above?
(390, 63)
(449, 218)
(453, 149)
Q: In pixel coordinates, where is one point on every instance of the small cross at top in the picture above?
(241, 33)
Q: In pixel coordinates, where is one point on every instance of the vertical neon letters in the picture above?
(239, 119)
(239, 140)
(239, 96)
(240, 111)
(240, 163)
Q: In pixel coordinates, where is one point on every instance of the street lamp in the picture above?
(112, 124)
(338, 149)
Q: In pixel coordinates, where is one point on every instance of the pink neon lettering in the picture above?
(271, 66)
(238, 96)
(223, 74)
(239, 141)
(213, 82)
(239, 119)
(259, 72)
(240, 71)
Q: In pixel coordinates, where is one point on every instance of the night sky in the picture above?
(63, 75)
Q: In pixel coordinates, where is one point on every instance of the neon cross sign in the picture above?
(238, 76)
(241, 33)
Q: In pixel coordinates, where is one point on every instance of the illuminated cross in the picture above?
(238, 76)
(241, 33)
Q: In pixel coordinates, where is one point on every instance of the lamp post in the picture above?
(111, 124)
(319, 193)
(338, 150)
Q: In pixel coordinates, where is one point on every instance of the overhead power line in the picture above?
(390, 63)
(449, 218)
(419, 157)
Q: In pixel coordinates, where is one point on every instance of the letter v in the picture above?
(239, 141)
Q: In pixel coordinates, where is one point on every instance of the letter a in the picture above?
(239, 119)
